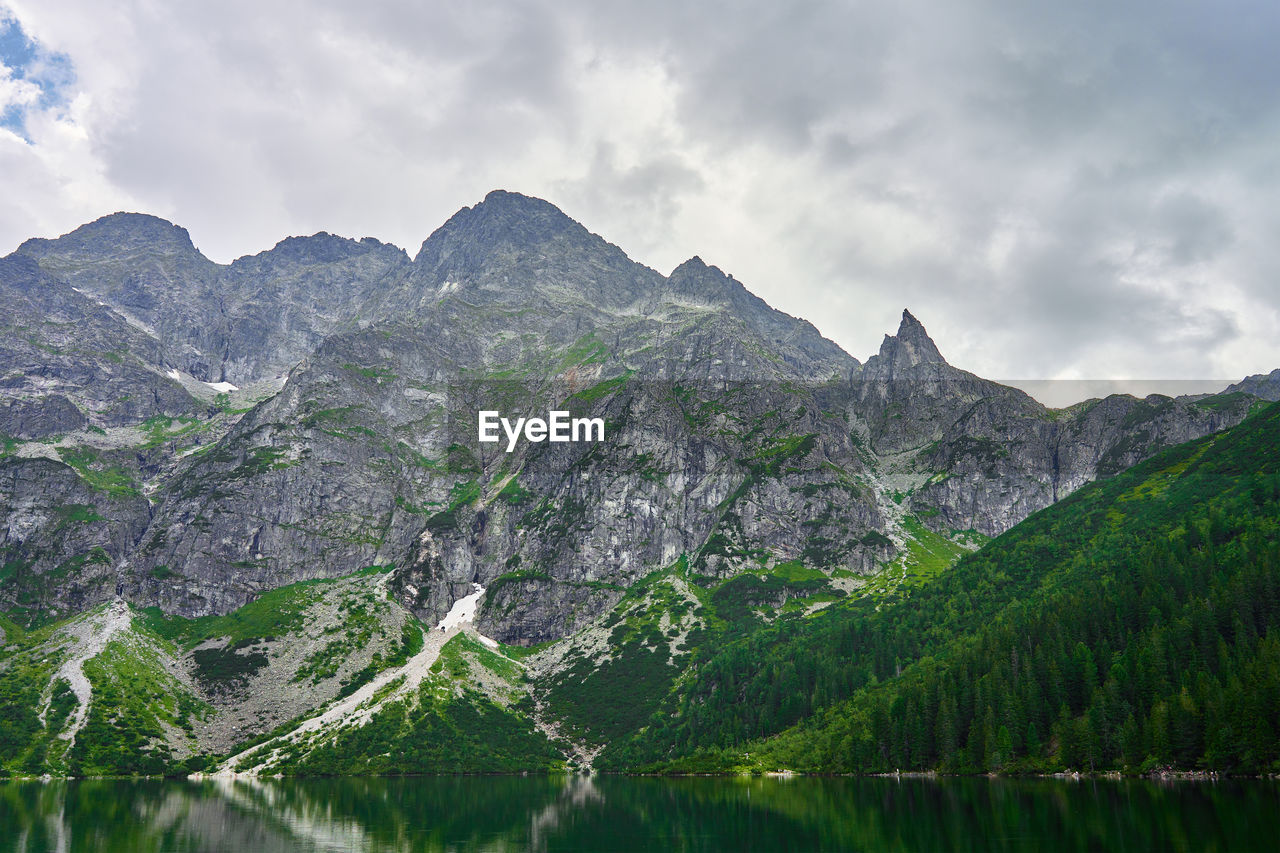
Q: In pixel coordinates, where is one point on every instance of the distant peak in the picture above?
(693, 266)
(323, 247)
(117, 231)
(505, 200)
(911, 345)
(500, 196)
(142, 226)
(503, 218)
(1263, 385)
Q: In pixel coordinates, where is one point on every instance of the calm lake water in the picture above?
(620, 814)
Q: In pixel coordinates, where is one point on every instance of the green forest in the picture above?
(1130, 627)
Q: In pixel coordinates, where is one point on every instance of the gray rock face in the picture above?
(1265, 386)
(995, 466)
(253, 319)
(58, 341)
(985, 456)
(61, 539)
(736, 436)
(40, 417)
(908, 396)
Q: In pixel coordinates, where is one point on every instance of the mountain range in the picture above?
(243, 498)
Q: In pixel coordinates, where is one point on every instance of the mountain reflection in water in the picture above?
(557, 813)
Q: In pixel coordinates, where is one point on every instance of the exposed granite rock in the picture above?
(61, 539)
(40, 417)
(250, 320)
(58, 341)
(1265, 386)
(985, 456)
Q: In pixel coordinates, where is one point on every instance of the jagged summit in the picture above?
(526, 254)
(701, 282)
(911, 345)
(503, 219)
(119, 232)
(693, 264)
(1264, 385)
(319, 248)
(695, 277)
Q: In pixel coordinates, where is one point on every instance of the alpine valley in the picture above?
(246, 526)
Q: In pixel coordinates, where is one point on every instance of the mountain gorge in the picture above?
(269, 472)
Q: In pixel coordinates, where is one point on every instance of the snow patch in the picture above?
(222, 387)
(174, 375)
(463, 610)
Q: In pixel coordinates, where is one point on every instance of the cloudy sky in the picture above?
(1066, 190)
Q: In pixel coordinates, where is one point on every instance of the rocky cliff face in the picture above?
(247, 321)
(1265, 386)
(976, 455)
(311, 411)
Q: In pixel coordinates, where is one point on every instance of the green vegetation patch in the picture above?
(602, 701)
(228, 667)
(273, 614)
(737, 599)
(434, 732)
(773, 454)
(600, 390)
(98, 474)
(1219, 402)
(25, 671)
(461, 495)
(463, 651)
(133, 700)
(375, 373)
(613, 699)
(69, 514)
(925, 556)
(514, 493)
(160, 429)
(588, 349)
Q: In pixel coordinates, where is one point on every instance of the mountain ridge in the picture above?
(364, 358)
(229, 456)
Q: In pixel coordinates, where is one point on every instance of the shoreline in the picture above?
(1163, 775)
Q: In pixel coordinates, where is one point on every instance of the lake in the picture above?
(617, 813)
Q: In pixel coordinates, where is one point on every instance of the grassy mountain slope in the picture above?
(117, 691)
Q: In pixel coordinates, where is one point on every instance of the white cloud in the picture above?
(1080, 189)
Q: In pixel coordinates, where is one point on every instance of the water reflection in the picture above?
(618, 813)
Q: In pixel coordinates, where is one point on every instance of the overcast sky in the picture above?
(1057, 190)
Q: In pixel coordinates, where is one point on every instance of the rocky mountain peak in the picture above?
(695, 277)
(911, 345)
(1263, 385)
(697, 280)
(321, 248)
(798, 340)
(118, 233)
(503, 219)
(693, 265)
